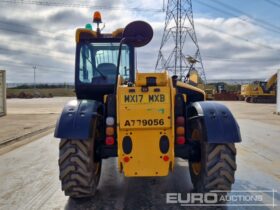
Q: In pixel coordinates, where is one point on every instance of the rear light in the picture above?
(126, 159)
(110, 140)
(180, 131)
(110, 131)
(180, 121)
(165, 158)
(110, 121)
(180, 140)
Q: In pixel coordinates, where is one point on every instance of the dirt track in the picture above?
(29, 115)
(29, 174)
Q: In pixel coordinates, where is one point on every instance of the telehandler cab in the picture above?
(146, 120)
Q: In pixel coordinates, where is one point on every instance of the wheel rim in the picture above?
(196, 166)
(97, 165)
(96, 168)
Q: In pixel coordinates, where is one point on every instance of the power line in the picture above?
(71, 36)
(235, 36)
(239, 37)
(273, 3)
(28, 27)
(32, 34)
(264, 26)
(256, 20)
(79, 5)
(239, 60)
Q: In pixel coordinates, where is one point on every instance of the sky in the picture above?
(238, 39)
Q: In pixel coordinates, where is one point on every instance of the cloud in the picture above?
(67, 17)
(45, 36)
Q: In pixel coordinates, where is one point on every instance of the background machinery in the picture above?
(213, 91)
(260, 91)
(225, 92)
(145, 120)
(194, 79)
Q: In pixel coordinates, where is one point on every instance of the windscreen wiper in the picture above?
(102, 75)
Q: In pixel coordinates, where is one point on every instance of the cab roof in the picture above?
(83, 34)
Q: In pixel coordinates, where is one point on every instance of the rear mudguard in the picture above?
(75, 121)
(219, 123)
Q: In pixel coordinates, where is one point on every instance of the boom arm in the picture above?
(271, 81)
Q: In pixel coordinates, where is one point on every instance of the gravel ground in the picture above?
(29, 174)
(29, 115)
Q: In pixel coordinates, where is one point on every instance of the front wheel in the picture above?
(79, 171)
(217, 165)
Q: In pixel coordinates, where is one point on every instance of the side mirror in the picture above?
(138, 33)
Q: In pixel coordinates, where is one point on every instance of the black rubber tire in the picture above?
(241, 98)
(248, 99)
(218, 164)
(79, 172)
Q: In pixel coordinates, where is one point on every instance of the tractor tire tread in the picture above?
(220, 167)
(75, 172)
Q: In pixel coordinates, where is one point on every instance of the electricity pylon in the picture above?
(179, 51)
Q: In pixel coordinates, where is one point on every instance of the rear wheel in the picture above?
(79, 170)
(216, 168)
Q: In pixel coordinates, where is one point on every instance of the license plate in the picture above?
(144, 98)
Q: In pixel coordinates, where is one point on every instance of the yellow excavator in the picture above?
(260, 91)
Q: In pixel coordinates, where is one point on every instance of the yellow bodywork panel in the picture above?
(93, 34)
(161, 78)
(145, 115)
(80, 31)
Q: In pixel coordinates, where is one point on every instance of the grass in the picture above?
(43, 91)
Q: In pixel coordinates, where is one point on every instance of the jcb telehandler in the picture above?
(146, 120)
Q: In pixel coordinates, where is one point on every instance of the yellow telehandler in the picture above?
(146, 120)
